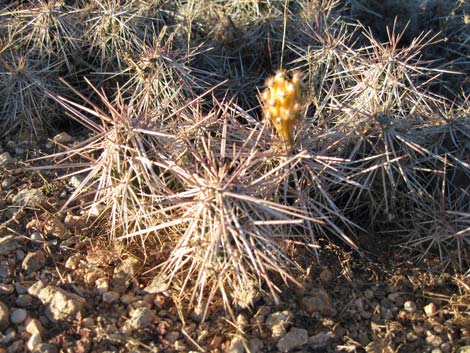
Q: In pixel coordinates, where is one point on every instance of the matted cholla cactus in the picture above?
(282, 104)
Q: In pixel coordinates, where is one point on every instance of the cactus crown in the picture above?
(282, 104)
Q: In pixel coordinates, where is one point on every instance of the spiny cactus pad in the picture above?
(282, 103)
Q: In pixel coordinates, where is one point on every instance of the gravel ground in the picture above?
(63, 291)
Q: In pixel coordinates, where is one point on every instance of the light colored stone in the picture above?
(8, 244)
(17, 316)
(141, 318)
(62, 138)
(34, 326)
(278, 322)
(36, 287)
(34, 341)
(410, 306)
(4, 316)
(464, 349)
(430, 309)
(46, 348)
(34, 261)
(158, 285)
(60, 304)
(295, 338)
(6, 288)
(5, 159)
(29, 198)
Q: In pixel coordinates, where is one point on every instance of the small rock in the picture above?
(36, 288)
(430, 309)
(409, 306)
(396, 298)
(73, 261)
(17, 316)
(374, 347)
(37, 237)
(24, 300)
(4, 316)
(320, 340)
(319, 302)
(141, 318)
(434, 340)
(34, 326)
(172, 336)
(446, 347)
(46, 348)
(110, 297)
(60, 304)
(34, 261)
(158, 285)
(6, 289)
(236, 345)
(8, 182)
(368, 294)
(5, 159)
(278, 322)
(62, 138)
(180, 346)
(463, 349)
(436, 350)
(102, 285)
(256, 345)
(296, 337)
(16, 347)
(75, 181)
(29, 198)
(411, 336)
(8, 244)
(326, 275)
(34, 341)
(198, 314)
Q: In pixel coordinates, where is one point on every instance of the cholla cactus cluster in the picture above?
(282, 104)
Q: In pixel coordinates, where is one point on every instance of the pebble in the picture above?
(434, 340)
(36, 236)
(34, 341)
(236, 345)
(278, 322)
(36, 287)
(8, 182)
(62, 138)
(29, 198)
(6, 289)
(34, 261)
(296, 337)
(16, 347)
(8, 244)
(60, 304)
(110, 297)
(368, 294)
(24, 300)
(17, 316)
(463, 349)
(410, 306)
(172, 336)
(5, 159)
(320, 340)
(4, 316)
(256, 345)
(320, 302)
(34, 326)
(197, 314)
(46, 348)
(141, 318)
(180, 346)
(430, 309)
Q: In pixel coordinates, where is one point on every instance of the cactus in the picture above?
(282, 104)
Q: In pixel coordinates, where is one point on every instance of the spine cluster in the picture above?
(282, 104)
